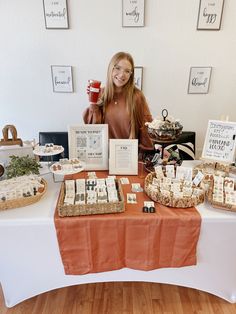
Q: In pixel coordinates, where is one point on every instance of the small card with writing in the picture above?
(131, 198)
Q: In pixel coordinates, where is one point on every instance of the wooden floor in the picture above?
(122, 297)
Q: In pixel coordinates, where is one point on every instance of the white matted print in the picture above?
(56, 14)
(123, 156)
(220, 141)
(199, 79)
(210, 14)
(133, 13)
(62, 80)
(138, 77)
(89, 143)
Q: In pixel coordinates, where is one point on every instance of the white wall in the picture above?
(166, 47)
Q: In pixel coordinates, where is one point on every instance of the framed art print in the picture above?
(133, 13)
(220, 141)
(89, 143)
(62, 80)
(138, 77)
(123, 156)
(210, 14)
(199, 80)
(55, 14)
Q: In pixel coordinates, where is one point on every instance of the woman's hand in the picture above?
(99, 100)
(88, 89)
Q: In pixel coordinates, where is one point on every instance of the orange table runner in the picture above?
(133, 239)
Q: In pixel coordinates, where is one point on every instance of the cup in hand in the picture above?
(94, 90)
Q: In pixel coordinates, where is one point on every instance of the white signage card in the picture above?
(89, 143)
(210, 14)
(133, 13)
(55, 13)
(62, 81)
(220, 142)
(123, 157)
(199, 80)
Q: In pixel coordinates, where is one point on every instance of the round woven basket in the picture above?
(171, 201)
(24, 201)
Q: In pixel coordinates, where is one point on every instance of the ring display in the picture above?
(48, 150)
(67, 168)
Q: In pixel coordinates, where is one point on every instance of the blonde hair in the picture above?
(129, 88)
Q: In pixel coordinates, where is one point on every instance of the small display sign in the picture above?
(220, 141)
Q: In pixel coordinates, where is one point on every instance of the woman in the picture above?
(121, 105)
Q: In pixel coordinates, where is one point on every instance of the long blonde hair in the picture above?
(129, 89)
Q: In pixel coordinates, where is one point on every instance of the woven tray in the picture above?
(223, 206)
(90, 209)
(218, 204)
(184, 202)
(24, 201)
(232, 169)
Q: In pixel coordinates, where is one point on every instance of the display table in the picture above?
(130, 239)
(30, 261)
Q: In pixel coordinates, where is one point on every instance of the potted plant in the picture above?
(19, 166)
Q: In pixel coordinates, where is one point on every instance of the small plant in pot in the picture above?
(19, 166)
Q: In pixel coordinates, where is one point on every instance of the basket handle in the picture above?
(164, 114)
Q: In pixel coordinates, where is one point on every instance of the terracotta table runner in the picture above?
(133, 239)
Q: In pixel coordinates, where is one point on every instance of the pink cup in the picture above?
(94, 90)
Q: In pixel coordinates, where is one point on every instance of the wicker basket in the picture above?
(90, 209)
(24, 201)
(171, 201)
(223, 206)
(218, 204)
(232, 169)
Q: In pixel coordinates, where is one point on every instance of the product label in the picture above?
(94, 90)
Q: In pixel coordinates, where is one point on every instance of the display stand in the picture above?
(165, 142)
(219, 149)
(220, 141)
(40, 151)
(58, 170)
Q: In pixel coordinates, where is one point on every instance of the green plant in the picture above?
(19, 166)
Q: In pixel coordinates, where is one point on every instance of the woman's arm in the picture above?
(144, 115)
(93, 114)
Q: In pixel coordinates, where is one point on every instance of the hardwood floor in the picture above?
(122, 298)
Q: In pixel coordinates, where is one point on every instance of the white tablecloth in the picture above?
(30, 261)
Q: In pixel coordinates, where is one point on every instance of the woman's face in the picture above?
(121, 73)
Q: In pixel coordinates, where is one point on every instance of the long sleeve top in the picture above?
(118, 118)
